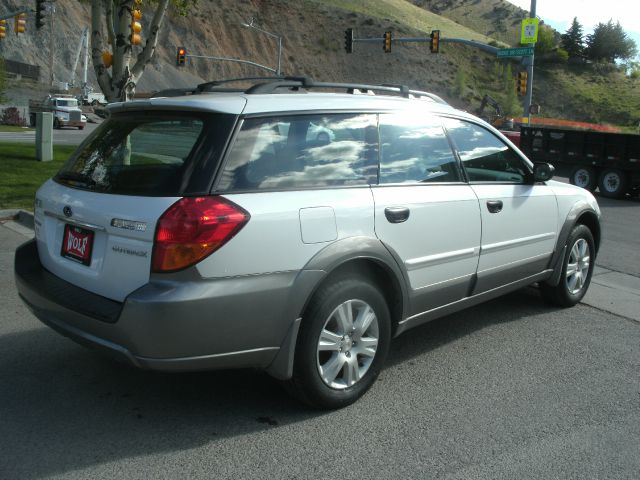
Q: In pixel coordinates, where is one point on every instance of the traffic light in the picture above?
(3, 29)
(181, 56)
(41, 13)
(348, 40)
(387, 42)
(107, 59)
(521, 84)
(136, 27)
(434, 45)
(20, 23)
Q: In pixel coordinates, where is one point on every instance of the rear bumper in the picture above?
(167, 325)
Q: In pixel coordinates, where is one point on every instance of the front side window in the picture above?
(303, 151)
(484, 156)
(414, 148)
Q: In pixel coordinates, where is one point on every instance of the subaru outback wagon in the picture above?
(294, 227)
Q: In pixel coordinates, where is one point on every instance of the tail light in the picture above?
(192, 229)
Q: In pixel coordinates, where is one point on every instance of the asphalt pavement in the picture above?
(63, 136)
(510, 389)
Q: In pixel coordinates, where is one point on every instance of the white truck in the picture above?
(65, 109)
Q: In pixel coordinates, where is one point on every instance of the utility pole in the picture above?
(52, 11)
(528, 61)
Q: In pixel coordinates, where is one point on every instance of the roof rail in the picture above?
(268, 85)
(307, 83)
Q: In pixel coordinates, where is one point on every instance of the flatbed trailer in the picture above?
(609, 162)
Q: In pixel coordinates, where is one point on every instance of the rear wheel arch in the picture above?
(360, 257)
(374, 271)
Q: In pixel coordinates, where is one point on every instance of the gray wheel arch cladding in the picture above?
(329, 260)
(580, 213)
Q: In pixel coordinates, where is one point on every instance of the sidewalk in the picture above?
(610, 291)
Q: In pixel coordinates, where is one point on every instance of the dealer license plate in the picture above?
(77, 244)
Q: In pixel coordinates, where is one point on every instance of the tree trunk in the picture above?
(115, 16)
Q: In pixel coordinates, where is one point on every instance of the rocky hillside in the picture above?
(313, 41)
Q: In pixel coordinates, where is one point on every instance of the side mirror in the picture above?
(542, 171)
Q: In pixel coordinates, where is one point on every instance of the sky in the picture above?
(559, 14)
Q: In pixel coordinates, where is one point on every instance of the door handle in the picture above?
(494, 206)
(397, 214)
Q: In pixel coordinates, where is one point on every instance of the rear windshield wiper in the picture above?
(76, 179)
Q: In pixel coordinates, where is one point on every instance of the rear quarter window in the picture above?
(303, 151)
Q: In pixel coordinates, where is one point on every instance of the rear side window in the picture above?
(414, 148)
(140, 155)
(303, 151)
(484, 156)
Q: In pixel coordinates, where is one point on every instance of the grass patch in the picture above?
(11, 128)
(22, 174)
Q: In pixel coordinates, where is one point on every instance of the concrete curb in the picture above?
(21, 217)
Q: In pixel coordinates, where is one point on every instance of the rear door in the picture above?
(519, 218)
(424, 212)
(95, 221)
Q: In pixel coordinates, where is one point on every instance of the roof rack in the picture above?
(306, 83)
(268, 85)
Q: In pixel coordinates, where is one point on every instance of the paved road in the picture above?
(64, 136)
(509, 389)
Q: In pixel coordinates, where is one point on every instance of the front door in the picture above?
(424, 213)
(519, 218)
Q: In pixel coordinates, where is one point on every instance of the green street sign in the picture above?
(515, 52)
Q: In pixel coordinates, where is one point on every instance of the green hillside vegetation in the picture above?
(598, 93)
(497, 19)
(591, 93)
(409, 15)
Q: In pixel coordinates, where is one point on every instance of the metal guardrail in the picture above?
(24, 69)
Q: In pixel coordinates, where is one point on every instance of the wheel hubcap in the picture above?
(582, 178)
(611, 182)
(347, 345)
(577, 266)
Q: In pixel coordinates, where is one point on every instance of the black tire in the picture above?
(563, 294)
(307, 383)
(584, 177)
(56, 124)
(80, 128)
(94, 103)
(612, 183)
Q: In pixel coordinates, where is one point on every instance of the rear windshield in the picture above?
(153, 154)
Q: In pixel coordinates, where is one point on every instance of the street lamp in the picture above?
(272, 35)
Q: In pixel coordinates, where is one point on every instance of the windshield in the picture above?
(67, 103)
(152, 154)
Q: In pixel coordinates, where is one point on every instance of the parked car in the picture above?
(186, 233)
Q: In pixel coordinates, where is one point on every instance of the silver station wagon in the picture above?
(295, 227)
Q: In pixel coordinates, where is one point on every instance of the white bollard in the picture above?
(44, 136)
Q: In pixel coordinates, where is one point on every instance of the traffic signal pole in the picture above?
(471, 43)
(528, 61)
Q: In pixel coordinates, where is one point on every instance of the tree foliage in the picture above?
(573, 39)
(546, 40)
(609, 43)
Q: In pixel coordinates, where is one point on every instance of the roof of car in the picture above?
(241, 103)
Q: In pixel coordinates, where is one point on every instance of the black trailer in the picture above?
(608, 161)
